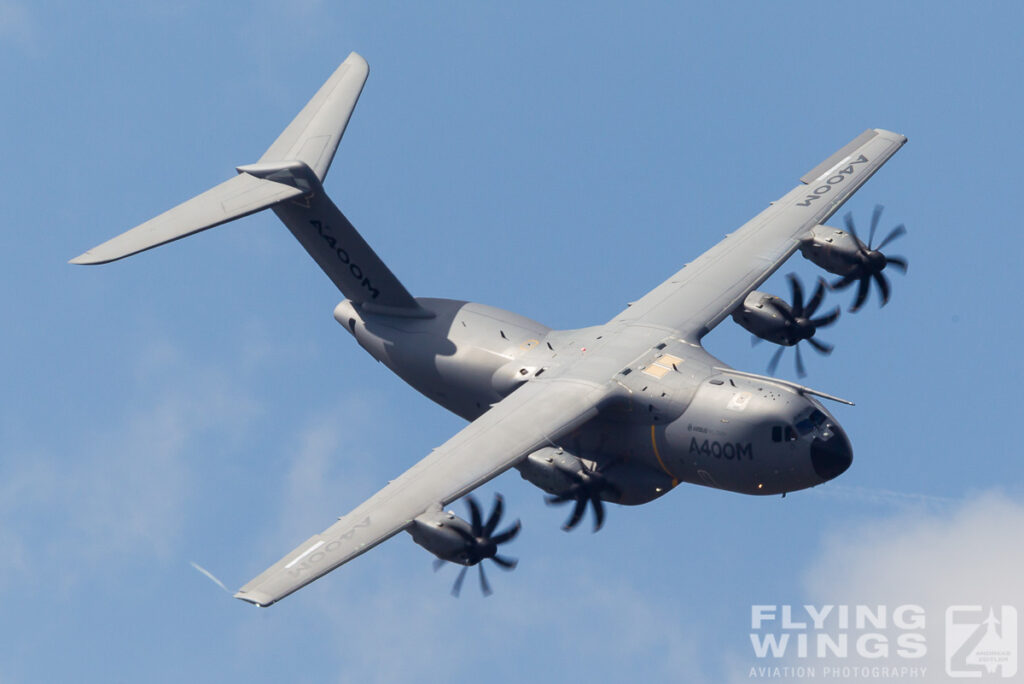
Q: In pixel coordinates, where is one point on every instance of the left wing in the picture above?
(537, 414)
(704, 292)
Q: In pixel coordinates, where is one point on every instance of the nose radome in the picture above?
(830, 458)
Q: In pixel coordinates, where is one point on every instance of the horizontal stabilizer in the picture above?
(242, 195)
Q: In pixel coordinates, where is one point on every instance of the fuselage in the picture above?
(677, 414)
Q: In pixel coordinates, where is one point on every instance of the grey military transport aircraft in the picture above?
(619, 412)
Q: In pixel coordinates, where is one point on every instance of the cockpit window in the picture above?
(816, 422)
(812, 421)
(804, 425)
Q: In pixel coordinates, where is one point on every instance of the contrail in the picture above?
(884, 496)
(209, 574)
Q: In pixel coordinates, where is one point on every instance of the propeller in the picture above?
(871, 261)
(799, 324)
(588, 485)
(482, 543)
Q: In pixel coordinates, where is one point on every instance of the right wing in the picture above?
(706, 291)
(537, 414)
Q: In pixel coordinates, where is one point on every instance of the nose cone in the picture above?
(831, 457)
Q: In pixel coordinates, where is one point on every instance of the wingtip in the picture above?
(84, 259)
(358, 62)
(252, 598)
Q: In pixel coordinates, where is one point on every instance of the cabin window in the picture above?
(784, 432)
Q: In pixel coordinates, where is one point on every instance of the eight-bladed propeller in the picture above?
(482, 543)
(871, 261)
(588, 485)
(799, 324)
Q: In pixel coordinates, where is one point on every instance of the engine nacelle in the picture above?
(630, 483)
(434, 530)
(832, 249)
(548, 469)
(760, 315)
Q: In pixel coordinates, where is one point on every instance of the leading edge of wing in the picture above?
(700, 295)
(535, 415)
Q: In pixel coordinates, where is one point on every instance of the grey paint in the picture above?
(637, 399)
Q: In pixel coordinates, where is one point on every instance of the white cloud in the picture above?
(332, 469)
(966, 553)
(573, 623)
(110, 495)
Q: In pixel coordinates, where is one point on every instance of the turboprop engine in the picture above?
(845, 254)
(770, 318)
(454, 540)
(571, 479)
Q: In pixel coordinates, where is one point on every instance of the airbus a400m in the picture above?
(621, 412)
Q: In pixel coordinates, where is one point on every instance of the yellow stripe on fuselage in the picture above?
(657, 455)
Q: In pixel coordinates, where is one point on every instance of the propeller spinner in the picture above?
(482, 544)
(588, 485)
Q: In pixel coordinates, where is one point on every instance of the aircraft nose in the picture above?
(831, 457)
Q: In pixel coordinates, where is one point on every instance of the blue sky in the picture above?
(198, 403)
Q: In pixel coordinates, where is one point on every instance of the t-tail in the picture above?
(288, 179)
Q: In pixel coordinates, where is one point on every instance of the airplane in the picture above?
(621, 412)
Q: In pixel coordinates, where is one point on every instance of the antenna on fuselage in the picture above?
(800, 389)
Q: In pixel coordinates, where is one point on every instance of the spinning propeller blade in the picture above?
(871, 261)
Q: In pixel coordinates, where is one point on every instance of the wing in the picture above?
(704, 292)
(537, 414)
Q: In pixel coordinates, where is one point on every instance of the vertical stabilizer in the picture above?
(313, 136)
(288, 179)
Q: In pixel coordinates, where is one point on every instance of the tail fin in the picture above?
(288, 179)
(313, 136)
